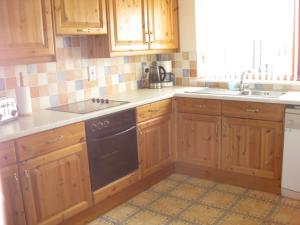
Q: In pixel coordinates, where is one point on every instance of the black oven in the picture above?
(112, 147)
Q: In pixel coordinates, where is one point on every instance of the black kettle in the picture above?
(157, 74)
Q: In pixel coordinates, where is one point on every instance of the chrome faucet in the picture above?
(242, 85)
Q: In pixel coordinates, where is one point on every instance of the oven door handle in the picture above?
(117, 134)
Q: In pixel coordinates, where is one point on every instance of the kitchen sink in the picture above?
(246, 93)
(263, 94)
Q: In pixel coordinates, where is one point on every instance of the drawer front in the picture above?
(7, 154)
(199, 106)
(143, 113)
(153, 110)
(49, 141)
(253, 110)
(161, 108)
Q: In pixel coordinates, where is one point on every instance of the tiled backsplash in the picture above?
(66, 80)
(185, 69)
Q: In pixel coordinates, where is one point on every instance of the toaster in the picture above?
(8, 109)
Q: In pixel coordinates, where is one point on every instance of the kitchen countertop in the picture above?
(45, 119)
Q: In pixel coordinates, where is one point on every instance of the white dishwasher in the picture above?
(290, 186)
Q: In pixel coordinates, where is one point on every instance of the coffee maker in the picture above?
(167, 79)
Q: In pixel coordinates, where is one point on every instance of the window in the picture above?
(257, 36)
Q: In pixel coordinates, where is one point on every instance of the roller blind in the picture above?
(257, 36)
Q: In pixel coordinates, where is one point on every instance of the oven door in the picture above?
(112, 157)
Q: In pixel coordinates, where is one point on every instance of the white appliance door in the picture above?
(291, 154)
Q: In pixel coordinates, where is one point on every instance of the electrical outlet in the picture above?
(92, 73)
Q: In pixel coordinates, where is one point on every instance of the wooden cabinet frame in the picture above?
(39, 45)
(39, 210)
(65, 27)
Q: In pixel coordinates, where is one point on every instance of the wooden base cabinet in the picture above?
(199, 139)
(252, 147)
(154, 142)
(11, 191)
(56, 186)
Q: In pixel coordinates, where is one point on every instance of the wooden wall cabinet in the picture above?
(80, 17)
(252, 147)
(56, 186)
(199, 139)
(26, 31)
(143, 25)
(163, 24)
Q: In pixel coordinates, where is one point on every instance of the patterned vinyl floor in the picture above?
(183, 200)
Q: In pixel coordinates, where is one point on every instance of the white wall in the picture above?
(187, 23)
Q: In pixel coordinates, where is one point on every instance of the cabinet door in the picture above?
(11, 191)
(80, 17)
(128, 19)
(154, 138)
(163, 24)
(252, 147)
(199, 139)
(26, 30)
(56, 186)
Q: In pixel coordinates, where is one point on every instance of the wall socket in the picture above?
(92, 73)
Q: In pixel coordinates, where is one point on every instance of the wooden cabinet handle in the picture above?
(27, 174)
(16, 177)
(252, 110)
(153, 110)
(55, 140)
(84, 30)
(200, 106)
(151, 37)
(147, 37)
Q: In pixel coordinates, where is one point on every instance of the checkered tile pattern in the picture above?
(66, 80)
(183, 200)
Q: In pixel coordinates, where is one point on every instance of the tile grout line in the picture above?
(229, 209)
(264, 220)
(192, 202)
(160, 194)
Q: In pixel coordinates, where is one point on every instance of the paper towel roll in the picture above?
(24, 101)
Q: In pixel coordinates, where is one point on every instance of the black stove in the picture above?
(88, 106)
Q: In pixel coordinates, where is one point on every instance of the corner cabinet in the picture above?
(80, 17)
(143, 25)
(154, 136)
(26, 31)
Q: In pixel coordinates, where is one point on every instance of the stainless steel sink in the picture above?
(263, 94)
(246, 93)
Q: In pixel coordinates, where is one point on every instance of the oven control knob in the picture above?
(93, 100)
(100, 125)
(94, 127)
(106, 101)
(1, 116)
(106, 123)
(98, 100)
(102, 100)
